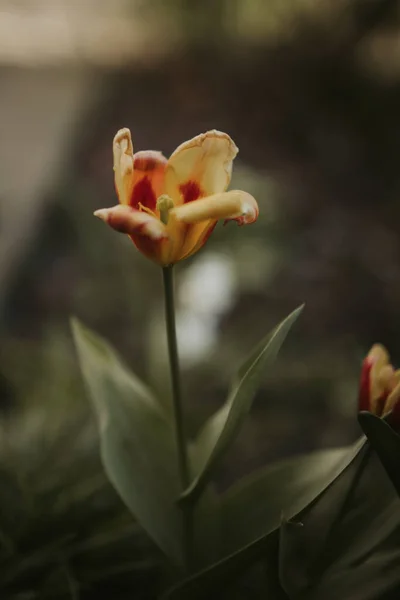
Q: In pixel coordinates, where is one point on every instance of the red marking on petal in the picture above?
(147, 246)
(118, 221)
(364, 393)
(190, 191)
(239, 220)
(143, 192)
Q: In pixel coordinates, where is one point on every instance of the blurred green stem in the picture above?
(180, 435)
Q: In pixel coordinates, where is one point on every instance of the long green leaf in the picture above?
(255, 505)
(386, 443)
(221, 429)
(353, 522)
(136, 440)
(309, 479)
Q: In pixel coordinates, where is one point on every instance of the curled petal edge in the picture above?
(207, 139)
(132, 222)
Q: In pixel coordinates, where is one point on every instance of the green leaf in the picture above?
(355, 521)
(365, 551)
(381, 525)
(386, 443)
(378, 577)
(301, 480)
(136, 441)
(221, 429)
(255, 505)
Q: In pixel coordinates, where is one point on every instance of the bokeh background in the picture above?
(310, 92)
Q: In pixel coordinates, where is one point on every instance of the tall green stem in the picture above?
(184, 470)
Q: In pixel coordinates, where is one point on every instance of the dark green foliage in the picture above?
(345, 545)
(64, 533)
(386, 443)
(324, 525)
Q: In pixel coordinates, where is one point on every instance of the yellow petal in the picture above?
(379, 358)
(378, 355)
(123, 165)
(394, 395)
(200, 167)
(392, 400)
(132, 222)
(382, 385)
(385, 378)
(237, 205)
(197, 237)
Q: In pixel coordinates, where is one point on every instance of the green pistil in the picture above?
(164, 205)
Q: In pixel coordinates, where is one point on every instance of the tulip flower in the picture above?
(170, 207)
(379, 391)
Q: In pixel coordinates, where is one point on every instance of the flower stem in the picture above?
(180, 435)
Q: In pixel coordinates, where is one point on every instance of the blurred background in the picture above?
(310, 92)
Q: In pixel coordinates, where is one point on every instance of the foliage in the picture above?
(323, 525)
(64, 533)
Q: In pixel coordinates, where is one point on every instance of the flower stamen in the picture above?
(146, 210)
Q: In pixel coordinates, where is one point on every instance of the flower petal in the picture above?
(196, 238)
(139, 177)
(393, 405)
(379, 358)
(133, 222)
(394, 395)
(200, 167)
(148, 179)
(237, 205)
(123, 165)
(384, 384)
(378, 355)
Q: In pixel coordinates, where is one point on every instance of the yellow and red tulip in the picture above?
(379, 391)
(170, 207)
